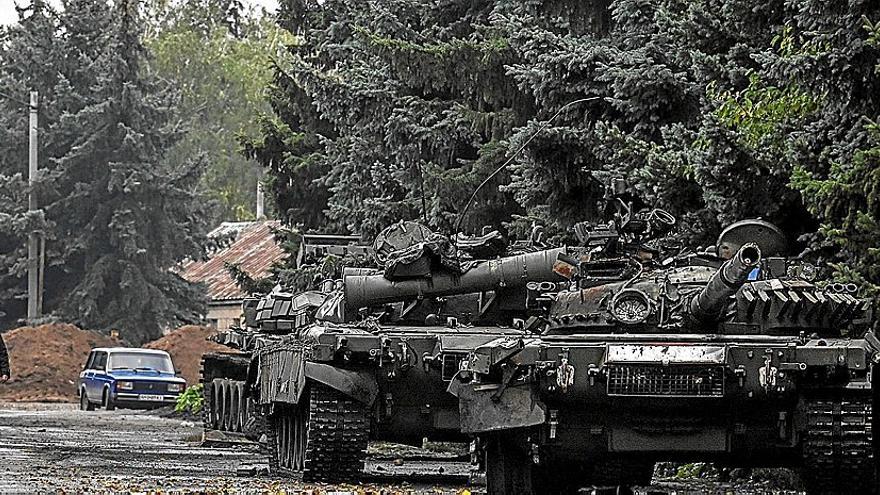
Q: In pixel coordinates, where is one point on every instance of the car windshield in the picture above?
(140, 361)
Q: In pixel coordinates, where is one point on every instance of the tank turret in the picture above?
(710, 302)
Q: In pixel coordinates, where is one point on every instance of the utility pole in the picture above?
(34, 269)
(36, 244)
(261, 212)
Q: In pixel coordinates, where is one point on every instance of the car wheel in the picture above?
(109, 403)
(84, 403)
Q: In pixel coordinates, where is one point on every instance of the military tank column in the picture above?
(736, 355)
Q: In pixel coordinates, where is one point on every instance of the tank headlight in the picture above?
(175, 387)
(630, 306)
(803, 271)
(124, 385)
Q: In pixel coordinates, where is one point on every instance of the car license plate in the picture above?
(154, 398)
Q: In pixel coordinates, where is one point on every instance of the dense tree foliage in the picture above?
(217, 53)
(715, 110)
(115, 215)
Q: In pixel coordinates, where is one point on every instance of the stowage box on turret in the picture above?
(735, 355)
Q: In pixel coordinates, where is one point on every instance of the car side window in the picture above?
(100, 361)
(90, 360)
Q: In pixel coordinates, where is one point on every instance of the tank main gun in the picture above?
(712, 299)
(506, 272)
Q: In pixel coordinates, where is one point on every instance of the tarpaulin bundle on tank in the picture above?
(421, 259)
(509, 271)
(409, 250)
(486, 246)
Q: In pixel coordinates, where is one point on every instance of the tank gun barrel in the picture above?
(710, 302)
(511, 271)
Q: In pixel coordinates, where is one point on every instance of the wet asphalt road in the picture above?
(55, 448)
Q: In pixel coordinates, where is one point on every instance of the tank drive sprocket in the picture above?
(322, 438)
(838, 446)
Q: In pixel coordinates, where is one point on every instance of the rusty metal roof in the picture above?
(254, 250)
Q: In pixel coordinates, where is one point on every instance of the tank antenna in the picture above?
(504, 165)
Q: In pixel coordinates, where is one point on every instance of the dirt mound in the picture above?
(46, 361)
(186, 346)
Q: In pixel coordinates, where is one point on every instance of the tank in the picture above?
(227, 406)
(735, 354)
(371, 355)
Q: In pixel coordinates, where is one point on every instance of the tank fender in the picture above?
(359, 385)
(873, 341)
(483, 411)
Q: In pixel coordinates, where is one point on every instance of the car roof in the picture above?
(141, 350)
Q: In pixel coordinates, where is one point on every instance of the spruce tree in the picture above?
(32, 56)
(388, 111)
(714, 111)
(129, 215)
(118, 216)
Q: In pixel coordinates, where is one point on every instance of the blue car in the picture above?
(128, 377)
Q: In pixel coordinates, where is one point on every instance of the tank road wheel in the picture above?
(838, 447)
(84, 403)
(212, 401)
(234, 410)
(510, 469)
(222, 405)
(254, 421)
(323, 438)
(243, 409)
(217, 415)
(227, 406)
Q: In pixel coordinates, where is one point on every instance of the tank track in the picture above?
(208, 397)
(338, 431)
(838, 447)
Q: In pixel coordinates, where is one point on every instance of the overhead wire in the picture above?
(504, 165)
